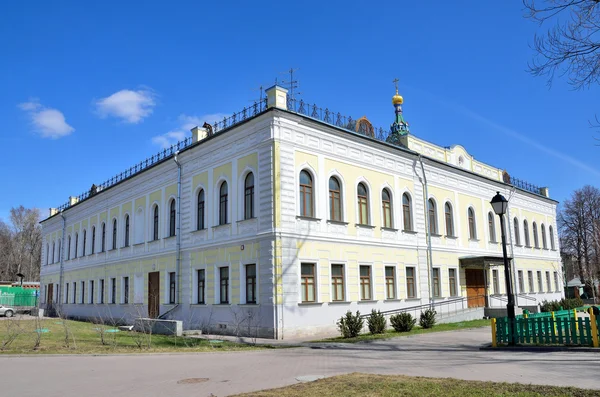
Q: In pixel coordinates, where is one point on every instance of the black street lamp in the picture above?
(500, 205)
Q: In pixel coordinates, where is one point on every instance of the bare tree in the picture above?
(571, 46)
(579, 228)
(21, 244)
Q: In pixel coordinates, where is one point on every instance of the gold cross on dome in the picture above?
(395, 81)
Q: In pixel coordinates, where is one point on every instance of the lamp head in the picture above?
(499, 204)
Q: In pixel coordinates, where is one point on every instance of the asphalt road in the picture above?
(449, 354)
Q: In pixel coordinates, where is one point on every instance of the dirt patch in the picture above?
(191, 381)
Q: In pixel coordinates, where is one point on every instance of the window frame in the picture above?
(526, 233)
(411, 282)
(540, 281)
(407, 221)
(250, 284)
(548, 281)
(126, 290)
(200, 208)
(308, 282)
(103, 245)
(114, 234)
(495, 282)
(432, 216)
(362, 204)
(155, 223)
(492, 227)
(449, 218)
(551, 233)
(172, 217)
(335, 198)
(536, 238)
(365, 283)
(201, 286)
(76, 244)
(249, 196)
(530, 281)
(224, 285)
(387, 208)
(544, 240)
(472, 222)
(223, 203)
(521, 281)
(453, 281)
(172, 288)
(436, 279)
(126, 237)
(516, 230)
(306, 195)
(93, 240)
(337, 281)
(390, 282)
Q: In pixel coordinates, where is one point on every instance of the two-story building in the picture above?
(282, 217)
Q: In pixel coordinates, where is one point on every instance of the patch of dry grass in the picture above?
(364, 385)
(85, 338)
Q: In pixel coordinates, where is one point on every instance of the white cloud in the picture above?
(48, 122)
(186, 123)
(127, 105)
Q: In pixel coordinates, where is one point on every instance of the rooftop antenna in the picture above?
(260, 88)
(292, 84)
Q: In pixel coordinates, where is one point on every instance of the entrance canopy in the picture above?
(481, 262)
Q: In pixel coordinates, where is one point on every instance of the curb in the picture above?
(540, 349)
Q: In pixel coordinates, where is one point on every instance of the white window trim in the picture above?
(371, 278)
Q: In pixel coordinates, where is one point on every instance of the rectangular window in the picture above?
(113, 290)
(452, 281)
(390, 282)
(101, 296)
(74, 292)
(172, 287)
(125, 290)
(521, 282)
(548, 282)
(556, 281)
(82, 297)
(365, 283)
(66, 292)
(495, 282)
(337, 282)
(410, 283)
(92, 291)
(224, 283)
(308, 282)
(201, 286)
(436, 283)
(530, 279)
(250, 283)
(540, 282)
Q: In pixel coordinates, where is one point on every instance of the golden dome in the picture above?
(397, 99)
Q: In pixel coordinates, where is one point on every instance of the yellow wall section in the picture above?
(200, 179)
(127, 208)
(114, 213)
(250, 160)
(103, 216)
(222, 171)
(171, 191)
(140, 202)
(156, 197)
(310, 159)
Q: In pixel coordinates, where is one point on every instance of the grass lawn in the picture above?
(365, 385)
(85, 338)
(415, 331)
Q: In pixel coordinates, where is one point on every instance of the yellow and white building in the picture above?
(280, 219)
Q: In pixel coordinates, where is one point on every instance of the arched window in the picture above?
(84, 242)
(406, 212)
(249, 196)
(59, 251)
(306, 194)
(103, 242)
(449, 219)
(76, 244)
(223, 196)
(386, 207)
(492, 227)
(363, 204)
(516, 227)
(126, 230)
(551, 231)
(53, 252)
(432, 216)
(114, 235)
(536, 240)
(544, 242)
(526, 233)
(93, 239)
(172, 218)
(200, 214)
(472, 224)
(69, 248)
(155, 224)
(47, 254)
(335, 199)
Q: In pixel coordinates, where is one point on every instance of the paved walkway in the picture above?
(448, 354)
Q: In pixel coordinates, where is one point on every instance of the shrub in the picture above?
(563, 304)
(427, 318)
(376, 322)
(403, 322)
(350, 325)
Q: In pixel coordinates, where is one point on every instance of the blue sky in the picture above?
(87, 90)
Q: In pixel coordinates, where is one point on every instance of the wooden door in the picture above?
(153, 294)
(49, 295)
(475, 287)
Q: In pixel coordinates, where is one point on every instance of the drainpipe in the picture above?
(178, 229)
(428, 234)
(61, 276)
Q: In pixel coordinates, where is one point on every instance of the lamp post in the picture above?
(500, 205)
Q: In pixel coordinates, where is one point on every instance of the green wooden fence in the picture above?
(564, 330)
